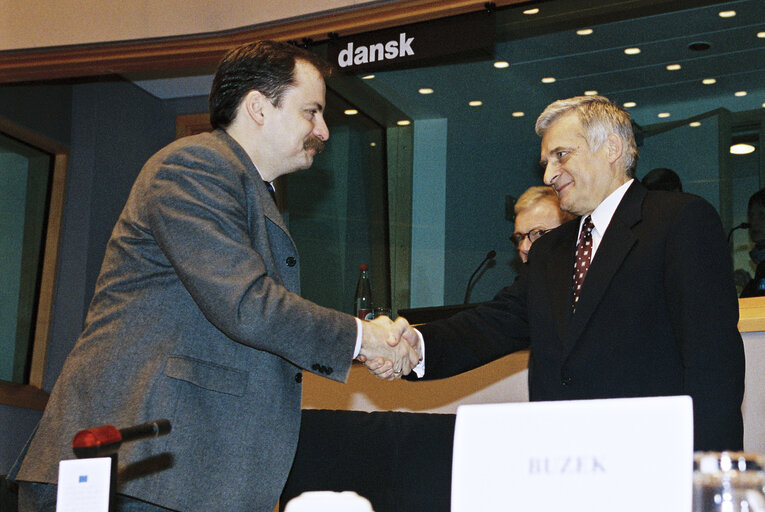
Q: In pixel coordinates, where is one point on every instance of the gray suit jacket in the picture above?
(196, 319)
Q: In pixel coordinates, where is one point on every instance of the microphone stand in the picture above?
(491, 254)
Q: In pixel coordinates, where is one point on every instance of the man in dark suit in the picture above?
(196, 315)
(656, 313)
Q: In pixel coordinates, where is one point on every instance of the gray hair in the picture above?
(600, 117)
(534, 195)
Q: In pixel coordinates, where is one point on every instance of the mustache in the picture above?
(314, 143)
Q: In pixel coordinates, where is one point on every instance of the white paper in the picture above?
(83, 485)
(629, 455)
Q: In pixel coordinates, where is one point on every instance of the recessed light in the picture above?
(664, 114)
(548, 80)
(501, 64)
(630, 104)
(761, 35)
(373, 144)
(674, 67)
(709, 81)
(425, 90)
(367, 77)
(519, 114)
(763, 105)
(694, 124)
(350, 112)
(590, 93)
(739, 93)
(584, 32)
(475, 103)
(404, 122)
(726, 14)
(741, 149)
(531, 11)
(632, 51)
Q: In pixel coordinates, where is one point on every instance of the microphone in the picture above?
(491, 254)
(743, 225)
(107, 439)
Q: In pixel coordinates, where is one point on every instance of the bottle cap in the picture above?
(364, 266)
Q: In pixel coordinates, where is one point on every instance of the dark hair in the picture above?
(757, 199)
(265, 66)
(662, 178)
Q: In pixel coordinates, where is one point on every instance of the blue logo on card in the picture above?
(83, 479)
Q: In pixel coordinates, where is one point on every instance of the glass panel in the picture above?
(490, 150)
(25, 175)
(337, 214)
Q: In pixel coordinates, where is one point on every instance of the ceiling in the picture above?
(547, 45)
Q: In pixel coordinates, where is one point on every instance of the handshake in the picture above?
(381, 350)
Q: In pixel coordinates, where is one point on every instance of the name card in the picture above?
(83, 485)
(630, 455)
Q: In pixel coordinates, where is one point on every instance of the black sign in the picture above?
(458, 37)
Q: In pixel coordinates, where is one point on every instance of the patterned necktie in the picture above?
(583, 257)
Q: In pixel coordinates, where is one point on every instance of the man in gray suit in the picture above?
(196, 315)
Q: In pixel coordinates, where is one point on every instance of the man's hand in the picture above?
(380, 344)
(399, 330)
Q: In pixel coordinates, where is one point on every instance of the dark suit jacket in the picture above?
(196, 319)
(657, 315)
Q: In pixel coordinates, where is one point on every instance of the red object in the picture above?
(97, 436)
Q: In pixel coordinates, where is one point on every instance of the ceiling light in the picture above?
(674, 67)
(475, 103)
(726, 14)
(425, 90)
(630, 104)
(519, 114)
(694, 124)
(350, 112)
(404, 122)
(373, 144)
(531, 11)
(739, 93)
(584, 32)
(548, 80)
(741, 149)
(367, 77)
(761, 35)
(632, 51)
(664, 114)
(709, 81)
(590, 93)
(501, 64)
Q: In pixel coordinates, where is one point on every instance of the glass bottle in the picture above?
(363, 306)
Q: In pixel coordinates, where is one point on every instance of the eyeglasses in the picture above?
(533, 235)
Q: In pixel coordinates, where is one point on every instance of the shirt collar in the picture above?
(601, 216)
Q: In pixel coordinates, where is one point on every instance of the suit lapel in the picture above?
(616, 244)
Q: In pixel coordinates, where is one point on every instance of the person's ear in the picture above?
(254, 106)
(615, 147)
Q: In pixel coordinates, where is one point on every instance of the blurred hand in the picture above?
(380, 344)
(398, 331)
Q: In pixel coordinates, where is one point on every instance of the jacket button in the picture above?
(298, 378)
(291, 261)
(316, 367)
(565, 378)
(328, 370)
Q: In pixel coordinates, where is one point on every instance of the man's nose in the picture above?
(320, 129)
(551, 174)
(524, 247)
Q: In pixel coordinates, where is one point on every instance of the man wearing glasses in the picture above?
(536, 212)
